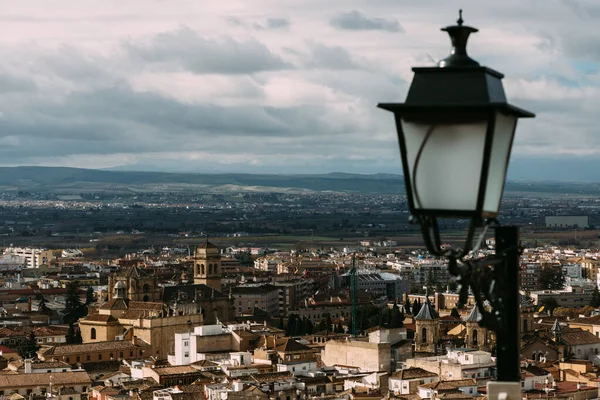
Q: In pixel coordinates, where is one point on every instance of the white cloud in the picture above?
(273, 84)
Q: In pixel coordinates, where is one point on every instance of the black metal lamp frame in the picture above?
(459, 90)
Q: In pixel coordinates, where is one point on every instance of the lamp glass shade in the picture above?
(449, 168)
(504, 132)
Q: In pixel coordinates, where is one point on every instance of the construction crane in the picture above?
(353, 295)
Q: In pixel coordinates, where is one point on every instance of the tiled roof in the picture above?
(575, 338)
(291, 345)
(171, 293)
(91, 347)
(412, 373)
(5, 349)
(595, 320)
(100, 318)
(178, 370)
(32, 380)
(115, 304)
(50, 331)
(450, 385)
(40, 365)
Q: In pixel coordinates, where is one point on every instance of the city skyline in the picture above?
(276, 87)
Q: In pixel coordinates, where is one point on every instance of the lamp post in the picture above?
(455, 133)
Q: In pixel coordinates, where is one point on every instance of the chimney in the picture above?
(28, 367)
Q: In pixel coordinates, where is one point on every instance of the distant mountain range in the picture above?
(60, 179)
(75, 180)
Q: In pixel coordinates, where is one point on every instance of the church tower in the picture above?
(207, 266)
(427, 328)
(477, 337)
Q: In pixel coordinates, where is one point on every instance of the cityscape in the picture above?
(229, 201)
(269, 294)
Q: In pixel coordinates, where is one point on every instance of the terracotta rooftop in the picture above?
(33, 380)
(178, 370)
(580, 337)
(91, 347)
(450, 385)
(412, 373)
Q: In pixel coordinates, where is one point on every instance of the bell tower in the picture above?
(427, 325)
(477, 337)
(207, 266)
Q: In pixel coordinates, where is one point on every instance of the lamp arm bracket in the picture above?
(481, 276)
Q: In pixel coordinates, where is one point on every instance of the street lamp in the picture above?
(455, 133)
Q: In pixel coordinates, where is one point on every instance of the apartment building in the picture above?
(262, 297)
(33, 257)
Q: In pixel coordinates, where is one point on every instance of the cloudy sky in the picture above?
(279, 85)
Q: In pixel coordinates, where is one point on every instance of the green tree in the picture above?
(73, 335)
(595, 302)
(384, 317)
(73, 307)
(43, 308)
(550, 304)
(290, 329)
(89, 295)
(78, 338)
(281, 324)
(31, 347)
(455, 313)
(308, 326)
(552, 278)
(407, 305)
(70, 336)
(416, 307)
(396, 317)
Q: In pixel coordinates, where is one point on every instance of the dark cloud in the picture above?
(201, 55)
(356, 21)
(329, 57)
(270, 23)
(277, 23)
(120, 120)
(10, 83)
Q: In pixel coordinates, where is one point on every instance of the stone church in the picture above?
(139, 307)
(429, 337)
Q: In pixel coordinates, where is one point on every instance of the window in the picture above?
(68, 359)
(474, 337)
(131, 353)
(186, 354)
(99, 357)
(48, 370)
(111, 356)
(78, 359)
(186, 344)
(424, 335)
(121, 354)
(88, 357)
(93, 333)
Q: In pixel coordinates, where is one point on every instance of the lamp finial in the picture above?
(460, 20)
